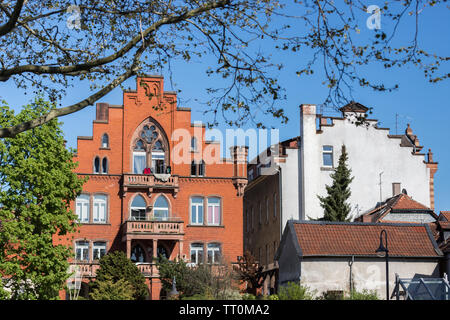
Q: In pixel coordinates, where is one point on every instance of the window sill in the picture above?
(326, 168)
(105, 148)
(95, 223)
(205, 225)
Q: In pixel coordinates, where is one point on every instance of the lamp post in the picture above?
(383, 251)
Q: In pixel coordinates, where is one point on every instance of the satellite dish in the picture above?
(404, 191)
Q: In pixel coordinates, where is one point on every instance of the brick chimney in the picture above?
(102, 112)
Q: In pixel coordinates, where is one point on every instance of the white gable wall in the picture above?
(370, 152)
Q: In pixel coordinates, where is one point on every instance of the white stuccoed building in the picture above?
(382, 164)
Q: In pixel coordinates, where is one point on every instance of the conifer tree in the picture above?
(334, 204)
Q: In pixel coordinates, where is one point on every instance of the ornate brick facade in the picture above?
(150, 124)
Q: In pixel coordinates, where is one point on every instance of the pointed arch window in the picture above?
(105, 165)
(161, 209)
(138, 208)
(105, 141)
(97, 165)
(151, 149)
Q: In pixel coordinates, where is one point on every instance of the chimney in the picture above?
(396, 187)
(102, 112)
(408, 131)
(430, 156)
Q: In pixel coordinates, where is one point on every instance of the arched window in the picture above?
(105, 141)
(193, 168)
(161, 209)
(137, 254)
(150, 149)
(194, 144)
(138, 208)
(97, 165)
(105, 165)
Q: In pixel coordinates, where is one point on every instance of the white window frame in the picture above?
(82, 201)
(219, 205)
(196, 213)
(139, 153)
(100, 201)
(162, 208)
(84, 247)
(98, 246)
(327, 152)
(197, 247)
(211, 250)
(137, 208)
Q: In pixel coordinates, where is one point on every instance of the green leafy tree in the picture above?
(334, 204)
(294, 291)
(202, 282)
(115, 266)
(107, 289)
(104, 43)
(37, 183)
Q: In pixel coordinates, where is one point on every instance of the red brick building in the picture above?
(156, 186)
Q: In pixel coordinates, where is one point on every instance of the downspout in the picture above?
(280, 189)
(350, 263)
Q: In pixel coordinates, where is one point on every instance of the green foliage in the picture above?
(334, 204)
(200, 281)
(37, 183)
(248, 296)
(362, 295)
(114, 267)
(273, 297)
(294, 291)
(108, 289)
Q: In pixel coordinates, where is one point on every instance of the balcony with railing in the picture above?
(171, 225)
(89, 270)
(150, 180)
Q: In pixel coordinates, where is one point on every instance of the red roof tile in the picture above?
(398, 202)
(328, 239)
(445, 215)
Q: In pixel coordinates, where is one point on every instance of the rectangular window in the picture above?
(213, 253)
(138, 214)
(139, 162)
(98, 250)
(99, 214)
(327, 156)
(197, 210)
(213, 211)
(158, 158)
(82, 208)
(82, 251)
(197, 253)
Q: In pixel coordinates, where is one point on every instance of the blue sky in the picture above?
(425, 106)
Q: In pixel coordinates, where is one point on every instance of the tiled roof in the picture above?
(445, 215)
(334, 238)
(398, 203)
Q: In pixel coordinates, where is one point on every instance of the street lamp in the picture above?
(383, 251)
